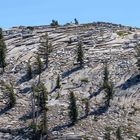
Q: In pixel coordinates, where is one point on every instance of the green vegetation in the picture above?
(3, 51)
(95, 118)
(76, 21)
(30, 28)
(84, 80)
(54, 23)
(8, 88)
(45, 49)
(80, 54)
(138, 57)
(109, 93)
(107, 86)
(73, 112)
(39, 66)
(29, 70)
(118, 134)
(123, 33)
(58, 82)
(105, 76)
(41, 128)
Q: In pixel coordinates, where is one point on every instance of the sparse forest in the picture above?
(71, 81)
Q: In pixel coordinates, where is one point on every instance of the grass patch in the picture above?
(84, 80)
(123, 33)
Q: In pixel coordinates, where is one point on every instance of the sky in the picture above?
(41, 12)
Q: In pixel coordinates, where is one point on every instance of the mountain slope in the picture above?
(101, 42)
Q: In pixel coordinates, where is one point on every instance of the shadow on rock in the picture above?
(69, 72)
(25, 90)
(130, 82)
(94, 94)
(4, 110)
(63, 126)
(23, 79)
(30, 115)
(101, 110)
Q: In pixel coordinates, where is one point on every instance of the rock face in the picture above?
(101, 43)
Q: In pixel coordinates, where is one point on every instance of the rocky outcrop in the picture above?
(101, 43)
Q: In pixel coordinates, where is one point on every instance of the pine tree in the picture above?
(29, 70)
(76, 21)
(45, 49)
(107, 85)
(2, 51)
(73, 113)
(39, 66)
(1, 35)
(54, 23)
(105, 76)
(42, 101)
(11, 94)
(138, 57)
(58, 82)
(109, 93)
(80, 54)
(118, 134)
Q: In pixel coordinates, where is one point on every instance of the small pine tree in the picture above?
(58, 82)
(107, 85)
(54, 23)
(76, 21)
(39, 66)
(73, 113)
(3, 50)
(80, 54)
(138, 57)
(45, 49)
(29, 70)
(118, 134)
(105, 76)
(1, 35)
(42, 102)
(109, 93)
(11, 94)
(41, 95)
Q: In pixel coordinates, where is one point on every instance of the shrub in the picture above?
(85, 80)
(54, 23)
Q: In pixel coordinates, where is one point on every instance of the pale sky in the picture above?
(41, 12)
